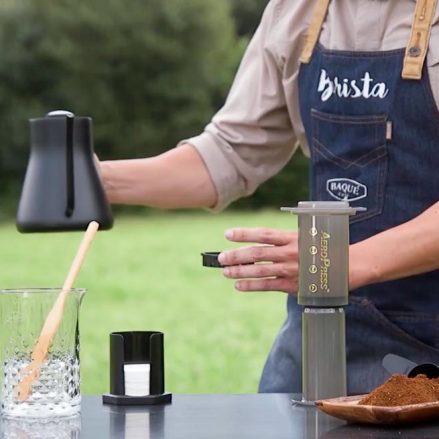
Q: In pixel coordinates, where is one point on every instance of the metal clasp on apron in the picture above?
(417, 47)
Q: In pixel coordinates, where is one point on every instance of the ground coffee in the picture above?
(402, 390)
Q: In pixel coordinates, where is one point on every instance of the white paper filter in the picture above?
(137, 379)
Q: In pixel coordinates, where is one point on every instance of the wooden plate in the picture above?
(348, 409)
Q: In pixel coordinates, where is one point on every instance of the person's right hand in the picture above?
(272, 265)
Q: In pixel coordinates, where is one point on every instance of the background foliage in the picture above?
(247, 14)
(150, 73)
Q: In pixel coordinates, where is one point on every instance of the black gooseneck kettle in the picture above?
(62, 190)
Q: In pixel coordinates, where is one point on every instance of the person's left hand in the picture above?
(272, 265)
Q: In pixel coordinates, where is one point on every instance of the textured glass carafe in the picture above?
(22, 315)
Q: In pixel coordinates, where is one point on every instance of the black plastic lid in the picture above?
(210, 259)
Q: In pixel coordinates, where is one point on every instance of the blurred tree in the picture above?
(247, 14)
(149, 72)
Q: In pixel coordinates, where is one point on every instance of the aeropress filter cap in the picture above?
(210, 259)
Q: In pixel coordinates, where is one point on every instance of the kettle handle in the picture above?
(70, 176)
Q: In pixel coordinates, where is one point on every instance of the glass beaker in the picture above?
(56, 392)
(54, 428)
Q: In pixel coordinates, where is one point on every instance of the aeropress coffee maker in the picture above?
(323, 292)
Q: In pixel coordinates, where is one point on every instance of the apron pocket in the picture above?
(371, 335)
(349, 156)
(394, 326)
(422, 326)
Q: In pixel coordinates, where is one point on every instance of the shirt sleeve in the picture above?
(251, 138)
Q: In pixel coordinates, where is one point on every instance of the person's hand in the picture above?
(97, 164)
(271, 266)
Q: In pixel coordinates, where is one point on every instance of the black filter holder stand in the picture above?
(132, 348)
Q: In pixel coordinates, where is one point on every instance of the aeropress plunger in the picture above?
(323, 292)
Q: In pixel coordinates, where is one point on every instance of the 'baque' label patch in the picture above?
(346, 189)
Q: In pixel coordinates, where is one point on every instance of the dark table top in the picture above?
(206, 417)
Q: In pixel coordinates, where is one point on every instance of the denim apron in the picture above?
(374, 140)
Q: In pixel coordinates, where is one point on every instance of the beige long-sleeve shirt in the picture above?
(259, 128)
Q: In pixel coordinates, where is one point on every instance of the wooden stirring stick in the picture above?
(53, 319)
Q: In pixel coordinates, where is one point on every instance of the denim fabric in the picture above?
(374, 140)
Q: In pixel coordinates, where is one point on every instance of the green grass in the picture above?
(146, 274)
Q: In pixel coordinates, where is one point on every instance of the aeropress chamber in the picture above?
(323, 292)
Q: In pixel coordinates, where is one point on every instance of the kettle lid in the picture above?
(60, 113)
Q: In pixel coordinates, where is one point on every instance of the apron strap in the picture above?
(417, 47)
(313, 33)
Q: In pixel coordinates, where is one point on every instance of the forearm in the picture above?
(176, 179)
(409, 249)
